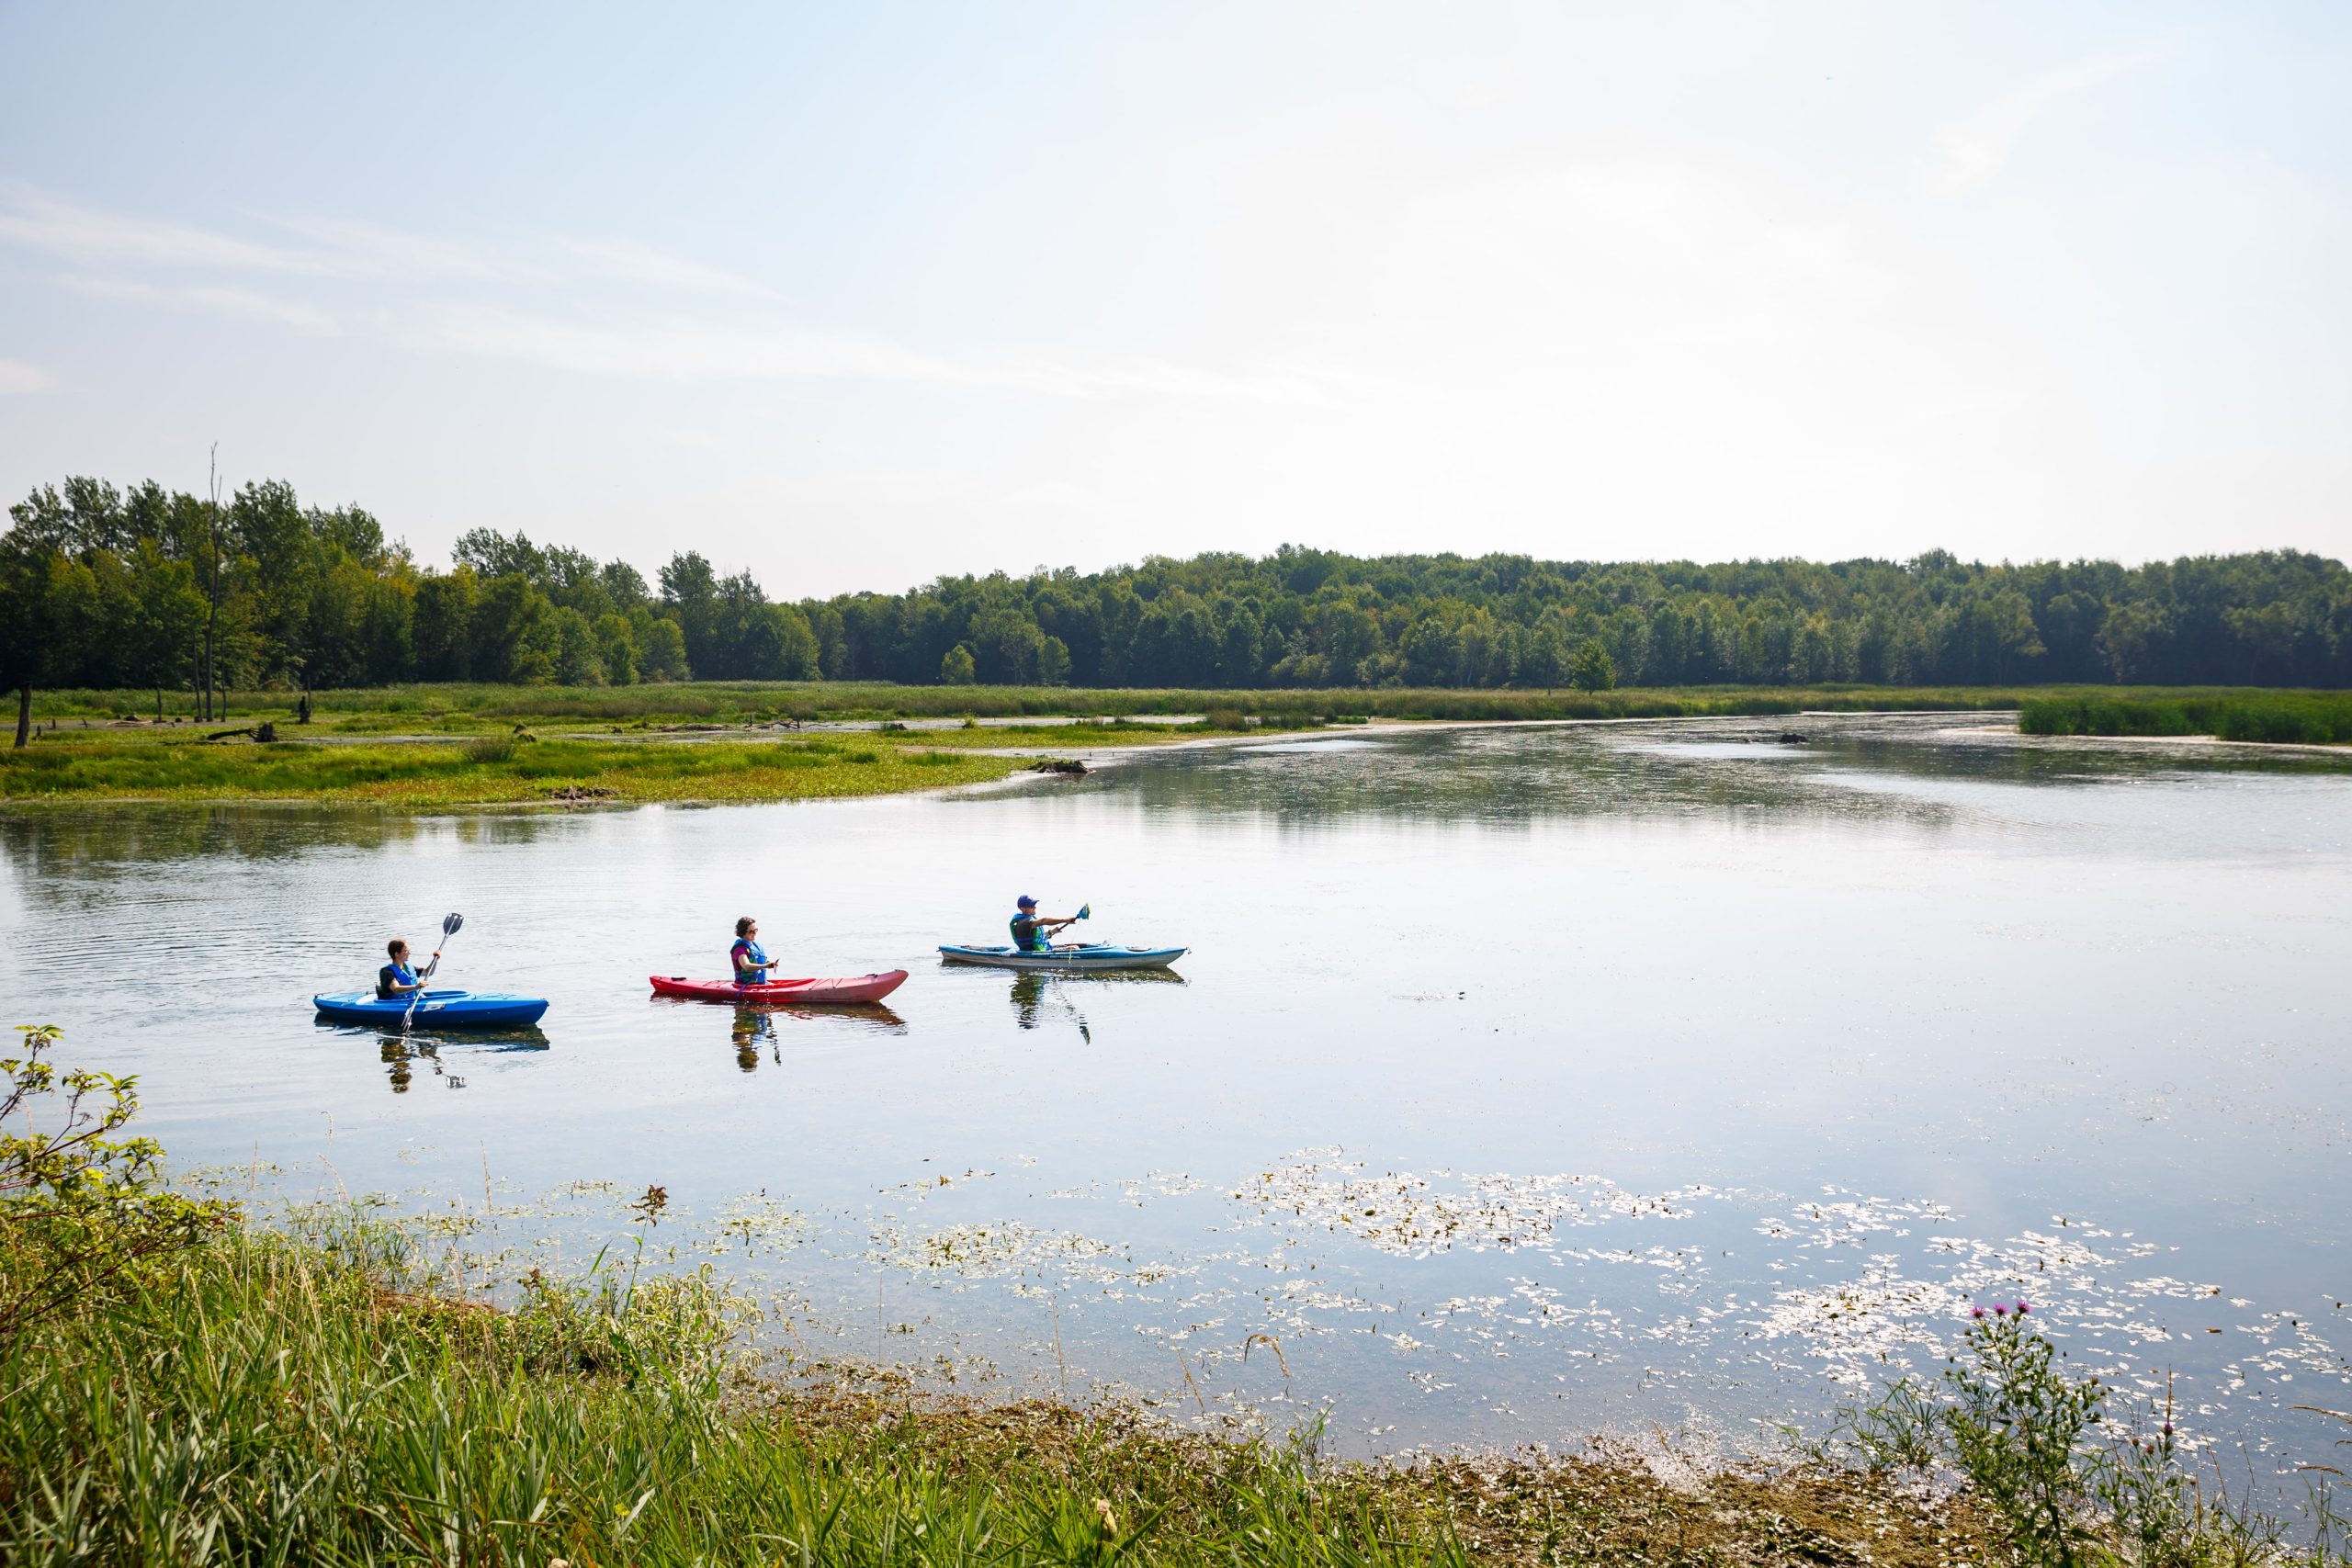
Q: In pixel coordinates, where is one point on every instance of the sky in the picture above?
(858, 296)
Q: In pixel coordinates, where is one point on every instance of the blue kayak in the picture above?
(435, 1009)
(1086, 958)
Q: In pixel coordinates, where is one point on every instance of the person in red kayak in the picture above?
(1033, 932)
(396, 979)
(752, 961)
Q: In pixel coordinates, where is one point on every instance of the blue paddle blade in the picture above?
(1084, 910)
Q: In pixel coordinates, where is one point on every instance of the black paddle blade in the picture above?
(450, 924)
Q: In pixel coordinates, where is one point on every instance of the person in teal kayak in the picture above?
(396, 979)
(752, 961)
(1033, 932)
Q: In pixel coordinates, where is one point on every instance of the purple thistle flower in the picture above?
(2167, 1428)
(1976, 1311)
(2022, 1309)
(2000, 1310)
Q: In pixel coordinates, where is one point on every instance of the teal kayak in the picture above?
(435, 1010)
(1085, 958)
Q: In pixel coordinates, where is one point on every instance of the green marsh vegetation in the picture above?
(2316, 718)
(192, 1385)
(324, 1390)
(465, 707)
(2066, 1479)
(435, 746)
(490, 769)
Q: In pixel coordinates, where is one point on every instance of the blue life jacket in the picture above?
(1029, 935)
(392, 974)
(745, 956)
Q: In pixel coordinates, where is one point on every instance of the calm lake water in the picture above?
(1522, 1082)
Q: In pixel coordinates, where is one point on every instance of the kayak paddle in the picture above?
(450, 924)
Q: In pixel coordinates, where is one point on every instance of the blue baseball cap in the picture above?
(1024, 902)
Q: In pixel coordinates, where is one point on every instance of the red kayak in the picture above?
(800, 993)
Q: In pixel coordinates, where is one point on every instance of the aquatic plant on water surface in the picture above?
(196, 1387)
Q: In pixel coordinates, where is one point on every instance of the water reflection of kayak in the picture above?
(435, 1010)
(1087, 957)
(844, 992)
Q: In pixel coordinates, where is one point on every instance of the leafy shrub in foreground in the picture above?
(2069, 1485)
(82, 1212)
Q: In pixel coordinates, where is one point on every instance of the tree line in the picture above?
(150, 589)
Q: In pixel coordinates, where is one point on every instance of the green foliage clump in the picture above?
(2016, 1423)
(84, 1213)
(2317, 719)
(2287, 718)
(1592, 669)
(2066, 1485)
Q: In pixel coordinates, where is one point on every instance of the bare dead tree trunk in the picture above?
(25, 714)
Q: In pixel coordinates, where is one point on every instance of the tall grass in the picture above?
(319, 1392)
(305, 1398)
(461, 707)
(445, 708)
(486, 770)
(2275, 718)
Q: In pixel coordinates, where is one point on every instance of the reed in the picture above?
(311, 1396)
(2318, 719)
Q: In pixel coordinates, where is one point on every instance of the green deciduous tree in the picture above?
(1591, 669)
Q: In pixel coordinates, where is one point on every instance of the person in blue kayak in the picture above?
(1033, 932)
(752, 961)
(396, 979)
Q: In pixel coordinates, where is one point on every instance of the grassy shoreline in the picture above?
(439, 747)
(186, 1385)
(474, 707)
(488, 770)
(317, 1391)
(303, 1395)
(516, 766)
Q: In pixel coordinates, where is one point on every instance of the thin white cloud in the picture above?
(675, 349)
(18, 378)
(347, 248)
(223, 300)
(688, 350)
(429, 312)
(629, 263)
(85, 234)
(1980, 144)
(246, 302)
(362, 249)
